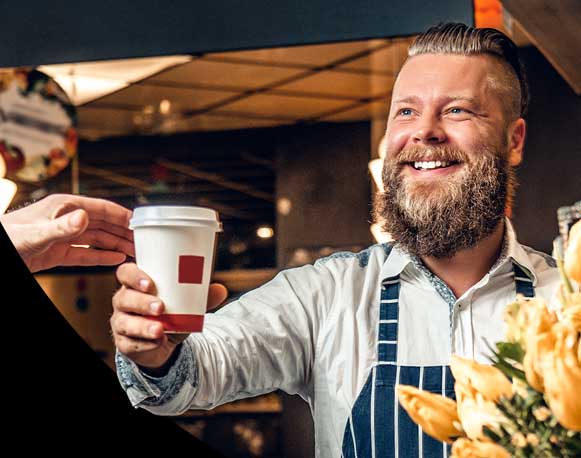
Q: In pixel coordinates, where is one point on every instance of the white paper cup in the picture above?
(175, 246)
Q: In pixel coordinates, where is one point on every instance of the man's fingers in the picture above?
(105, 240)
(115, 229)
(76, 256)
(131, 276)
(98, 209)
(135, 326)
(61, 229)
(132, 301)
(216, 295)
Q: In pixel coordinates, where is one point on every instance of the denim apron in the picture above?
(378, 427)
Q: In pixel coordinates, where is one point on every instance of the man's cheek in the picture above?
(396, 142)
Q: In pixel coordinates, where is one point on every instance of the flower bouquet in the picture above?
(527, 403)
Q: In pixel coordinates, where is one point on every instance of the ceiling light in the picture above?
(376, 167)
(87, 81)
(284, 206)
(7, 192)
(164, 107)
(265, 232)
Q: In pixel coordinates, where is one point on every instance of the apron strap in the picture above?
(523, 284)
(388, 320)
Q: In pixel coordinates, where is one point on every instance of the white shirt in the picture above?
(312, 331)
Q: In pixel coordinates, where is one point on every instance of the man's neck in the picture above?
(467, 267)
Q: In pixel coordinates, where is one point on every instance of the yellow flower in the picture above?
(541, 413)
(525, 315)
(435, 414)
(562, 377)
(519, 387)
(475, 412)
(478, 387)
(572, 259)
(533, 439)
(539, 343)
(516, 320)
(465, 448)
(519, 440)
(487, 380)
(572, 316)
(539, 349)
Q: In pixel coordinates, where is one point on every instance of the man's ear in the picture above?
(516, 141)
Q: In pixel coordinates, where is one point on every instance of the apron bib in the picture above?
(378, 426)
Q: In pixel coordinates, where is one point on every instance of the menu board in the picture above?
(37, 125)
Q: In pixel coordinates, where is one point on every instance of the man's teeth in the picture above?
(427, 165)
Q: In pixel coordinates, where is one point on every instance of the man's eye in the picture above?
(457, 110)
(405, 112)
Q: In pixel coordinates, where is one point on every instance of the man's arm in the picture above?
(263, 342)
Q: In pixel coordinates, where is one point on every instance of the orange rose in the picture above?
(434, 413)
(466, 448)
(572, 259)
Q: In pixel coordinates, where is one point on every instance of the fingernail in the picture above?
(144, 284)
(77, 220)
(153, 329)
(155, 307)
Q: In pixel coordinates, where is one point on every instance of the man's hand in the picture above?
(44, 231)
(137, 334)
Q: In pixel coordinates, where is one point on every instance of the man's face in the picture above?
(447, 171)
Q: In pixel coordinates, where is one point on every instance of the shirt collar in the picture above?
(399, 259)
(516, 252)
(395, 263)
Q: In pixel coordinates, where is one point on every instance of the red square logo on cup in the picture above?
(191, 269)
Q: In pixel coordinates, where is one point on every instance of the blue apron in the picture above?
(378, 426)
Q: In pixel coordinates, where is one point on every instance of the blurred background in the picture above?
(281, 139)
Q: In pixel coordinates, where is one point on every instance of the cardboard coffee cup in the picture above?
(175, 246)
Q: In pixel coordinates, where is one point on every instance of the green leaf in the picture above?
(511, 350)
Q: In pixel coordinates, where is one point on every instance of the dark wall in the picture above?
(322, 170)
(81, 31)
(550, 175)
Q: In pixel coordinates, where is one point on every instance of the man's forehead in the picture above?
(458, 74)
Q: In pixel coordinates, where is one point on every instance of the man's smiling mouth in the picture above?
(432, 165)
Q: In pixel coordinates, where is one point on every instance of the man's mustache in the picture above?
(430, 153)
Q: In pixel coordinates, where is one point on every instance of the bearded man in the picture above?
(342, 333)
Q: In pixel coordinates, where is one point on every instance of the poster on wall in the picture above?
(38, 136)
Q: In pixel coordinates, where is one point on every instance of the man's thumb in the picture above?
(67, 226)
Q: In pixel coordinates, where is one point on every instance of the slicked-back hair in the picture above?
(456, 38)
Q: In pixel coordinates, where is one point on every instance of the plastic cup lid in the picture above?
(169, 215)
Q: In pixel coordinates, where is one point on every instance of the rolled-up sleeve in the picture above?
(262, 342)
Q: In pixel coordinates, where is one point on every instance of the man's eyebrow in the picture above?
(410, 99)
(472, 100)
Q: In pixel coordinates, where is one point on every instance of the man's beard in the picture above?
(438, 218)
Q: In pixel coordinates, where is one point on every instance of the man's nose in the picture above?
(429, 131)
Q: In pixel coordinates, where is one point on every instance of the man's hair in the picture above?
(456, 38)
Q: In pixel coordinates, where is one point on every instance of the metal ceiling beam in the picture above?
(254, 159)
(216, 179)
(146, 187)
(115, 177)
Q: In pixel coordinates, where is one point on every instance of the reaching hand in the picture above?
(136, 332)
(44, 232)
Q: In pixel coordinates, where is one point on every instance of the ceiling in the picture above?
(257, 88)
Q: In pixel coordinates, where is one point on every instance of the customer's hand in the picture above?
(44, 232)
(137, 334)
